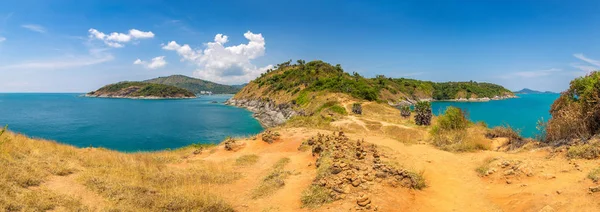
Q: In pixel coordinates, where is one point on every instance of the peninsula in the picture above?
(141, 90)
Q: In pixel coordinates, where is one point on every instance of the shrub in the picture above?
(586, 151)
(338, 109)
(423, 110)
(576, 113)
(453, 119)
(405, 111)
(302, 98)
(594, 175)
(357, 108)
(450, 133)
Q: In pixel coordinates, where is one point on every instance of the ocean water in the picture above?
(520, 113)
(125, 124)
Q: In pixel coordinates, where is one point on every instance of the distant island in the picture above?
(530, 91)
(195, 85)
(141, 90)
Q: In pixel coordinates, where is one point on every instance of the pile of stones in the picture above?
(270, 136)
(231, 144)
(353, 168)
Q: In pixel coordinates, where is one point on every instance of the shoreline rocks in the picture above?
(268, 113)
(134, 97)
(483, 99)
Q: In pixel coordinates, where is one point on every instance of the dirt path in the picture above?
(68, 186)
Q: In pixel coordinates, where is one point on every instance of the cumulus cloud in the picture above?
(34, 27)
(155, 63)
(218, 63)
(2, 39)
(118, 40)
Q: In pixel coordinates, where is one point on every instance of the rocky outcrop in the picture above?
(268, 113)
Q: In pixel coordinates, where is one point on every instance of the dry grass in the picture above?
(586, 151)
(246, 160)
(315, 196)
(468, 140)
(594, 175)
(403, 134)
(273, 181)
(128, 182)
(483, 169)
(515, 141)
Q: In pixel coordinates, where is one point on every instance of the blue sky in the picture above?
(78, 46)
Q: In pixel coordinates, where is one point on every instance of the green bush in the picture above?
(321, 76)
(453, 119)
(576, 113)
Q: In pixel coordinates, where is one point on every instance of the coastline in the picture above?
(266, 112)
(483, 99)
(136, 97)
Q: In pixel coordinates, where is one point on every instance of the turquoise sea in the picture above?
(125, 124)
(520, 113)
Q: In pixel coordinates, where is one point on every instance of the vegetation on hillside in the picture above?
(576, 113)
(139, 89)
(316, 76)
(450, 133)
(195, 85)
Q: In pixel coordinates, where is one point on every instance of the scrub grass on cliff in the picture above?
(273, 181)
(156, 181)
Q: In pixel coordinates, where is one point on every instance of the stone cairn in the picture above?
(353, 168)
(231, 144)
(270, 136)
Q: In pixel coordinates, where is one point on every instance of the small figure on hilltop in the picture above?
(423, 116)
(357, 108)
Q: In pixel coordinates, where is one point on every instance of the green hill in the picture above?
(316, 76)
(140, 89)
(194, 85)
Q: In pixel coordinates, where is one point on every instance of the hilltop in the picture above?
(195, 85)
(140, 90)
(530, 91)
(318, 76)
(319, 88)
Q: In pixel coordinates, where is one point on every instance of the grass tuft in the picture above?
(246, 160)
(273, 181)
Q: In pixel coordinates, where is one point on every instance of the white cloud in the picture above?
(531, 74)
(155, 63)
(222, 64)
(34, 27)
(540, 73)
(584, 58)
(595, 65)
(116, 39)
(2, 39)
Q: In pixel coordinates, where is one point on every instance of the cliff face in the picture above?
(267, 112)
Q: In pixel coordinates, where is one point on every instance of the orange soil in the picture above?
(453, 184)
